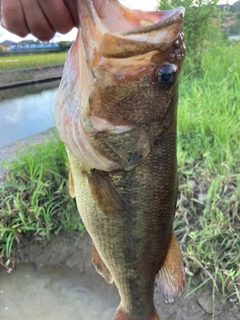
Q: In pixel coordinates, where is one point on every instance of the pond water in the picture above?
(26, 111)
(54, 294)
(57, 281)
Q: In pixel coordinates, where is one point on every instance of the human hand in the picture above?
(43, 18)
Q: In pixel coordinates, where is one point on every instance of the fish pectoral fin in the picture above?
(171, 276)
(100, 266)
(105, 194)
(71, 184)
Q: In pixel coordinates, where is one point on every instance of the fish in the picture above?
(116, 113)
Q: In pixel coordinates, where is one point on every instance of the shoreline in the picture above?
(29, 82)
(21, 77)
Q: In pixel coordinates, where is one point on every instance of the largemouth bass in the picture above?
(116, 113)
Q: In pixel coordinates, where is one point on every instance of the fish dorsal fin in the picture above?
(171, 277)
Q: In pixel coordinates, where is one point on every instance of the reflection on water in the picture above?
(54, 294)
(26, 90)
(27, 115)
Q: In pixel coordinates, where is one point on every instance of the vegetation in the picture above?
(65, 45)
(235, 7)
(35, 198)
(30, 61)
(197, 22)
(208, 215)
(230, 18)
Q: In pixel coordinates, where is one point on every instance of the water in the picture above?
(56, 281)
(23, 114)
(54, 294)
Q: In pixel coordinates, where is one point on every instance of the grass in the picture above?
(208, 216)
(31, 61)
(35, 198)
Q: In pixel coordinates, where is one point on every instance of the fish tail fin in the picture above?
(171, 277)
(122, 315)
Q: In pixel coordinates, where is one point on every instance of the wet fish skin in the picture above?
(121, 144)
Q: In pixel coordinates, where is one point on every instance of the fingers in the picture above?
(43, 18)
(100, 6)
(0, 12)
(13, 17)
(73, 10)
(36, 20)
(57, 14)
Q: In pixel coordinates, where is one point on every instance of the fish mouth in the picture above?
(82, 113)
(156, 20)
(159, 35)
(125, 33)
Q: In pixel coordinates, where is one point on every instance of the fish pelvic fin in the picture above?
(122, 315)
(100, 266)
(71, 184)
(171, 277)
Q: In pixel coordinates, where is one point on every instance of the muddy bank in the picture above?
(8, 78)
(69, 257)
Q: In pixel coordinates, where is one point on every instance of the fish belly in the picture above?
(133, 244)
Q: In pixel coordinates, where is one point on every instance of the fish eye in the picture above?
(166, 75)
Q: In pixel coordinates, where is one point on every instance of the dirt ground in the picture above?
(75, 253)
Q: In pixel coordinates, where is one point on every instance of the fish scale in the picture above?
(120, 135)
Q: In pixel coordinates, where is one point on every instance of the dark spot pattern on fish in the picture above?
(121, 141)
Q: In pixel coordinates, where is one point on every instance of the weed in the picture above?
(34, 198)
(208, 216)
(30, 61)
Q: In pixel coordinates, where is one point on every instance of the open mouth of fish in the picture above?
(123, 44)
(125, 33)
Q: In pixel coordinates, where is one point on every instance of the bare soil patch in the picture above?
(74, 252)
